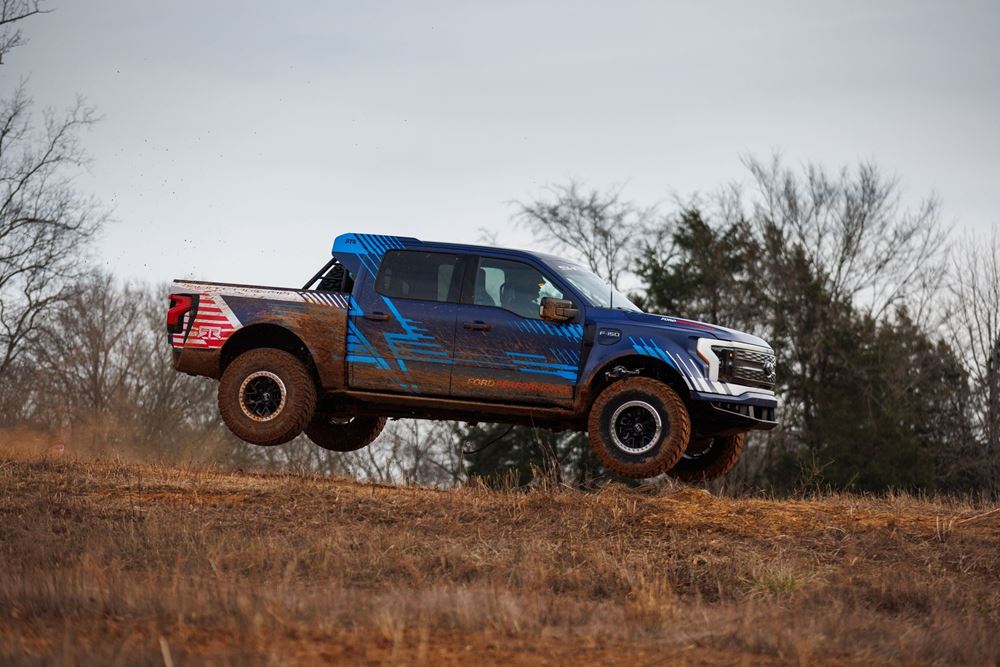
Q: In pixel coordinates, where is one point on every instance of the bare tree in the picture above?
(598, 226)
(830, 245)
(866, 247)
(96, 345)
(974, 325)
(12, 12)
(45, 224)
(101, 373)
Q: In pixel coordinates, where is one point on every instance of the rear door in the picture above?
(504, 351)
(401, 335)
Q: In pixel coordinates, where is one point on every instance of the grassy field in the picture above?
(104, 563)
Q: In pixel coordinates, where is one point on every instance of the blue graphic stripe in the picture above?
(544, 364)
(527, 363)
(360, 350)
(491, 362)
(566, 356)
(373, 246)
(566, 375)
(364, 359)
(650, 349)
(412, 344)
(570, 331)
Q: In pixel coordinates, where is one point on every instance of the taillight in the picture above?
(179, 304)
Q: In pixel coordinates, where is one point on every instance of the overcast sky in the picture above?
(240, 137)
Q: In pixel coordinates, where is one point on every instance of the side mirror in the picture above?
(557, 310)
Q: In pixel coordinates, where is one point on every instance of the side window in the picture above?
(410, 274)
(516, 286)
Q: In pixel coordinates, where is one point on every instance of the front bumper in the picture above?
(717, 415)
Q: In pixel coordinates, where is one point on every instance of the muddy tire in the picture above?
(639, 427)
(709, 458)
(266, 396)
(337, 435)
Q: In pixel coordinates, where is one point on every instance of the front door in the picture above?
(401, 333)
(504, 351)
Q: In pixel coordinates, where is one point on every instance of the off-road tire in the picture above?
(704, 461)
(282, 371)
(355, 434)
(641, 396)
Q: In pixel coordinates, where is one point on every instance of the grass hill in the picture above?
(104, 563)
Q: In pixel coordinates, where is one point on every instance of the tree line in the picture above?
(886, 328)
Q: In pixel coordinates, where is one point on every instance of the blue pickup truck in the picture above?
(395, 327)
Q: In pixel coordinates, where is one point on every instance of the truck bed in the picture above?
(225, 318)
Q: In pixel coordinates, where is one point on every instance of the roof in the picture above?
(357, 251)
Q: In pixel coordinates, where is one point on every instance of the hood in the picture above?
(700, 328)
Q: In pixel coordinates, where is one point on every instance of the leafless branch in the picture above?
(45, 224)
(974, 327)
(599, 227)
(11, 13)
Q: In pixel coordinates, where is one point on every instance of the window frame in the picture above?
(467, 296)
(455, 284)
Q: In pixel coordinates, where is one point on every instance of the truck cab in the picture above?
(398, 327)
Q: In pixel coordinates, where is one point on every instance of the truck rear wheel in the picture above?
(344, 434)
(266, 396)
(709, 458)
(639, 427)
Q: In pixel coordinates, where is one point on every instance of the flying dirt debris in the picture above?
(396, 327)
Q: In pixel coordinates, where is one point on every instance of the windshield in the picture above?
(597, 291)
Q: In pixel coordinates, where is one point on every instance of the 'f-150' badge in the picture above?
(608, 336)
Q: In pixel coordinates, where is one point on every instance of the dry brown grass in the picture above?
(107, 563)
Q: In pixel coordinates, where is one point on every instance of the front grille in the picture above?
(746, 367)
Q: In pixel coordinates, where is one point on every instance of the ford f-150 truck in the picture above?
(395, 327)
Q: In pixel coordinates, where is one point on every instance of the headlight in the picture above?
(738, 363)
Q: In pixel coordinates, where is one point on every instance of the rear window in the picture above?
(410, 274)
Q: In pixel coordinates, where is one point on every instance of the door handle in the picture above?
(477, 325)
(378, 316)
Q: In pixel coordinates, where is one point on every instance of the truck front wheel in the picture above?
(709, 458)
(639, 427)
(266, 396)
(344, 434)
